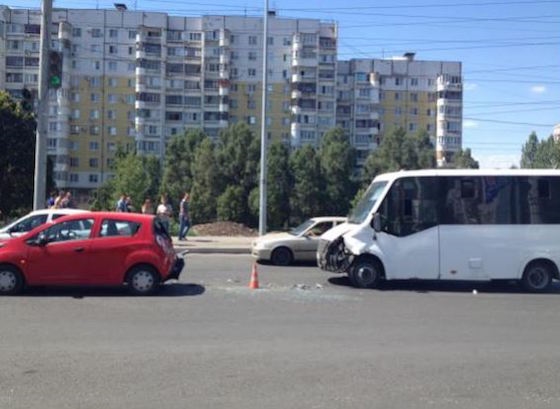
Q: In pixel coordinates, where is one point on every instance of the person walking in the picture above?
(58, 200)
(147, 207)
(184, 220)
(121, 204)
(164, 213)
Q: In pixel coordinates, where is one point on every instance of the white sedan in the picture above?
(32, 220)
(298, 244)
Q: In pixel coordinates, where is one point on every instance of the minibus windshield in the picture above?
(364, 207)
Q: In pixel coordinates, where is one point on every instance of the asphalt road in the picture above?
(304, 340)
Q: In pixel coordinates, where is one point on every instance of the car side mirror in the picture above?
(376, 222)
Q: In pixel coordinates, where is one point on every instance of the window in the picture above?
(94, 114)
(113, 49)
(132, 34)
(252, 72)
(113, 33)
(96, 33)
(71, 230)
(252, 40)
(93, 178)
(93, 162)
(252, 55)
(76, 32)
(93, 146)
(115, 227)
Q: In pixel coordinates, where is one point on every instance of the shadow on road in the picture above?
(294, 264)
(426, 286)
(167, 290)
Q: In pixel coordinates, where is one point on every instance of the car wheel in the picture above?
(537, 277)
(143, 280)
(365, 273)
(11, 280)
(282, 256)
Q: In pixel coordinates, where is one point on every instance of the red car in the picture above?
(93, 248)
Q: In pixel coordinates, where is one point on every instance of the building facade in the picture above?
(135, 79)
(375, 96)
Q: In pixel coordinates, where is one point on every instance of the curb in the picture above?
(213, 250)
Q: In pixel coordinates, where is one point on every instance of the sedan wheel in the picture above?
(11, 280)
(143, 281)
(282, 256)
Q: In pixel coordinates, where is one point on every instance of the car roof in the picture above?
(60, 211)
(329, 218)
(139, 217)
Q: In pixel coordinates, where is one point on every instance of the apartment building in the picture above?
(375, 96)
(138, 78)
(135, 79)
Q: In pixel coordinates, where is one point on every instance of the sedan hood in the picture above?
(278, 236)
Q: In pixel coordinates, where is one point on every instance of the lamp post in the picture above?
(264, 136)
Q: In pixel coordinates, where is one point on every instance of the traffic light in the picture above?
(55, 69)
(27, 100)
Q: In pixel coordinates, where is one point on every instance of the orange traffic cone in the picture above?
(254, 283)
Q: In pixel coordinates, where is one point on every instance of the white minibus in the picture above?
(451, 225)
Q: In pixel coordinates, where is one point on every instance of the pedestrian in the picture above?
(184, 219)
(121, 204)
(164, 212)
(147, 207)
(67, 202)
(51, 199)
(58, 200)
(128, 204)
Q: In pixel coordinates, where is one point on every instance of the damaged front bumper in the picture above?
(333, 256)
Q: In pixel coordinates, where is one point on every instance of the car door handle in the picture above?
(79, 249)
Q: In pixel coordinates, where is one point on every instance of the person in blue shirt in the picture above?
(184, 220)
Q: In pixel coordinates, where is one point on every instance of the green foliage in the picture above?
(279, 187)
(307, 196)
(238, 156)
(463, 160)
(136, 176)
(544, 154)
(206, 184)
(17, 157)
(232, 203)
(399, 150)
(179, 158)
(336, 157)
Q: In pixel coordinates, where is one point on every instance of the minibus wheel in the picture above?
(366, 272)
(537, 277)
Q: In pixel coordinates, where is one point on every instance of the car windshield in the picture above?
(364, 207)
(296, 231)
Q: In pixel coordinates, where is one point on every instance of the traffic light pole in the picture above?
(40, 181)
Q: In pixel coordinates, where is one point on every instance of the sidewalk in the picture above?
(214, 244)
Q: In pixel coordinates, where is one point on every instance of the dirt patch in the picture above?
(223, 229)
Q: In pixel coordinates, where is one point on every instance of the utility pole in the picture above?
(40, 182)
(264, 136)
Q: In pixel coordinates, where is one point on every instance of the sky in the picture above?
(509, 50)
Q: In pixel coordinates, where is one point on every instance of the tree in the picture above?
(529, 151)
(136, 177)
(206, 184)
(17, 157)
(336, 157)
(179, 159)
(463, 160)
(307, 196)
(238, 155)
(544, 154)
(279, 186)
(399, 150)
